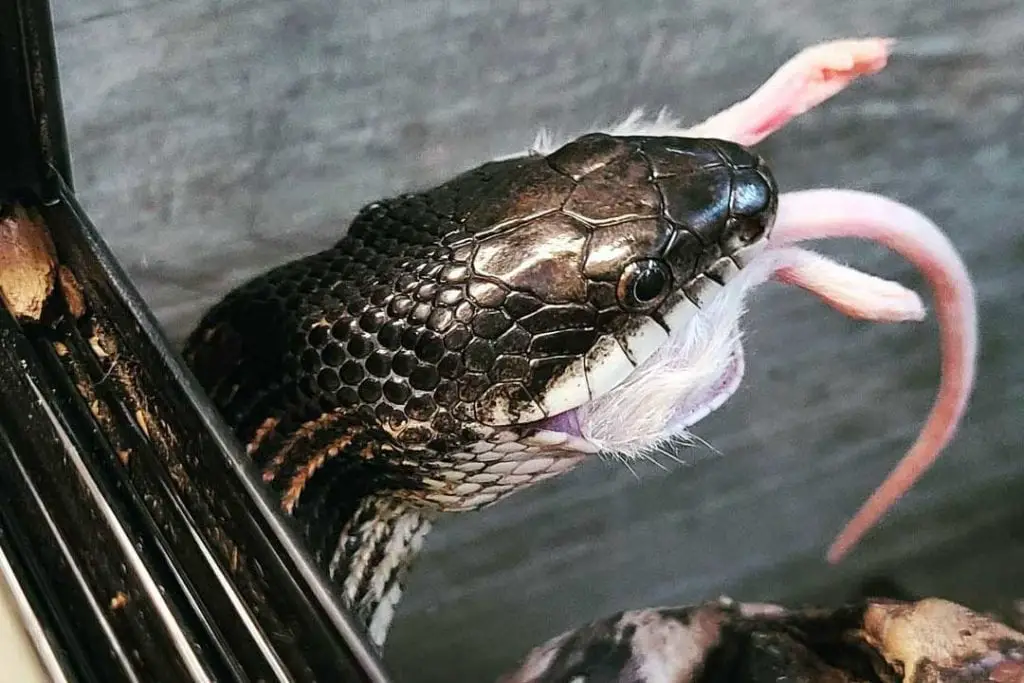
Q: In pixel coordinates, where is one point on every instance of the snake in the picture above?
(440, 355)
(464, 342)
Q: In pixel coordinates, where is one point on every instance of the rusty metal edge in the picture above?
(35, 166)
(34, 149)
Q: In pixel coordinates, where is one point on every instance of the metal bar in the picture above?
(33, 140)
(258, 551)
(53, 664)
(132, 527)
(82, 526)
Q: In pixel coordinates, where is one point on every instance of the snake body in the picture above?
(435, 358)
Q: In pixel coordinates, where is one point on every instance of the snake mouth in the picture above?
(694, 358)
(702, 402)
(803, 216)
(671, 372)
(802, 83)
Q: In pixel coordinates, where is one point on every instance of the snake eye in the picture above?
(643, 284)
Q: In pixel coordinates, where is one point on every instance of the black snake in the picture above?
(434, 358)
(466, 341)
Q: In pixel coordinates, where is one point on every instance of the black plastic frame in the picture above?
(136, 538)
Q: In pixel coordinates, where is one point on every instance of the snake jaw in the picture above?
(500, 305)
(803, 82)
(691, 374)
(647, 230)
(811, 77)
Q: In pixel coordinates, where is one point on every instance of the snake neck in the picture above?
(359, 530)
(371, 557)
(337, 479)
(366, 553)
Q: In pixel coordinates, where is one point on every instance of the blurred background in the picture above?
(213, 139)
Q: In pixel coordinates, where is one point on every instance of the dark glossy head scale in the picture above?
(597, 239)
(513, 293)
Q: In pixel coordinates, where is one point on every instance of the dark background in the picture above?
(213, 139)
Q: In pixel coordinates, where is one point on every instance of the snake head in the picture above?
(587, 261)
(467, 340)
(494, 312)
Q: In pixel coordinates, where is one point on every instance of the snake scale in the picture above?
(431, 358)
(463, 342)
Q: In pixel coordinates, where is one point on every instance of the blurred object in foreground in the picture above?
(884, 641)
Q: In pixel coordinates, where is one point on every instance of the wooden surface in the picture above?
(213, 139)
